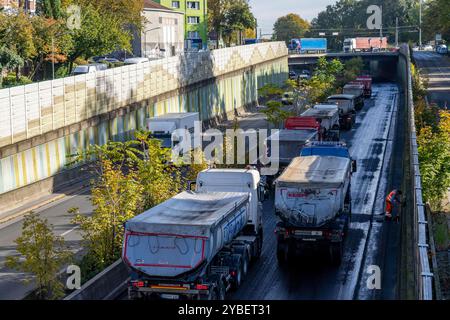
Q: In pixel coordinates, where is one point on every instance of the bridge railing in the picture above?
(424, 276)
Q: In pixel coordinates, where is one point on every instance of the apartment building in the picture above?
(163, 32)
(11, 5)
(196, 20)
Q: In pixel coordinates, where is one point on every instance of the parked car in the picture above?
(292, 75)
(304, 75)
(89, 68)
(428, 48)
(135, 61)
(109, 60)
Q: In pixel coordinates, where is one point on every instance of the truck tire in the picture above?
(281, 252)
(336, 252)
(259, 244)
(237, 279)
(245, 263)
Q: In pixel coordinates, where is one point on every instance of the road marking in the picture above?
(69, 231)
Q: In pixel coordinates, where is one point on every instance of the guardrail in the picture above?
(424, 275)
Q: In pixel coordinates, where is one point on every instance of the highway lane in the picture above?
(436, 68)
(311, 277)
(11, 284)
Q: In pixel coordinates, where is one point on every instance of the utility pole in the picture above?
(396, 32)
(420, 24)
(381, 24)
(53, 59)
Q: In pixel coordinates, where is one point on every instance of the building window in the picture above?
(176, 4)
(193, 5)
(193, 35)
(193, 20)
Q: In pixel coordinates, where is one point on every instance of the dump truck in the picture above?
(356, 89)
(313, 203)
(365, 44)
(347, 111)
(367, 82)
(328, 117)
(291, 141)
(309, 45)
(198, 244)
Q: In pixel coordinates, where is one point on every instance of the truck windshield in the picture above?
(166, 139)
(325, 151)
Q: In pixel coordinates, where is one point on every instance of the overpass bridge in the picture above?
(381, 65)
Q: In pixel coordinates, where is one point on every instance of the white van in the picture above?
(135, 61)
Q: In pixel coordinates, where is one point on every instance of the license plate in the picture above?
(170, 296)
(308, 233)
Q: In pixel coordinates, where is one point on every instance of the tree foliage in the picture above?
(43, 255)
(324, 81)
(289, 27)
(131, 177)
(349, 18)
(434, 158)
(436, 19)
(226, 17)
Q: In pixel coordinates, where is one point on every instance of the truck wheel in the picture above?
(281, 253)
(245, 262)
(336, 251)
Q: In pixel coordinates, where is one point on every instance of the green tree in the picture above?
(289, 27)
(349, 17)
(8, 60)
(101, 33)
(43, 253)
(116, 197)
(17, 34)
(238, 18)
(275, 113)
(434, 158)
(352, 69)
(49, 8)
(324, 81)
(217, 10)
(435, 19)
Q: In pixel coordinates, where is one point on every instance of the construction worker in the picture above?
(393, 197)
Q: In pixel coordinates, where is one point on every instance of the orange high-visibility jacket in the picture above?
(391, 196)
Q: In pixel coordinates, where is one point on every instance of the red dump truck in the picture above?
(367, 82)
(365, 44)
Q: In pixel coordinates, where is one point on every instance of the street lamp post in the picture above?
(420, 24)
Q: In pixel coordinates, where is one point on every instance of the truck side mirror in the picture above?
(354, 166)
(191, 185)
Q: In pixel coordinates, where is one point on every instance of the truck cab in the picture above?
(164, 128)
(356, 89)
(236, 180)
(334, 149)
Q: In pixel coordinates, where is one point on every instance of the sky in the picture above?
(268, 11)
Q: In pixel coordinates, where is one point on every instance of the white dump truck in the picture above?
(313, 202)
(198, 244)
(327, 115)
(164, 126)
(356, 89)
(347, 109)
